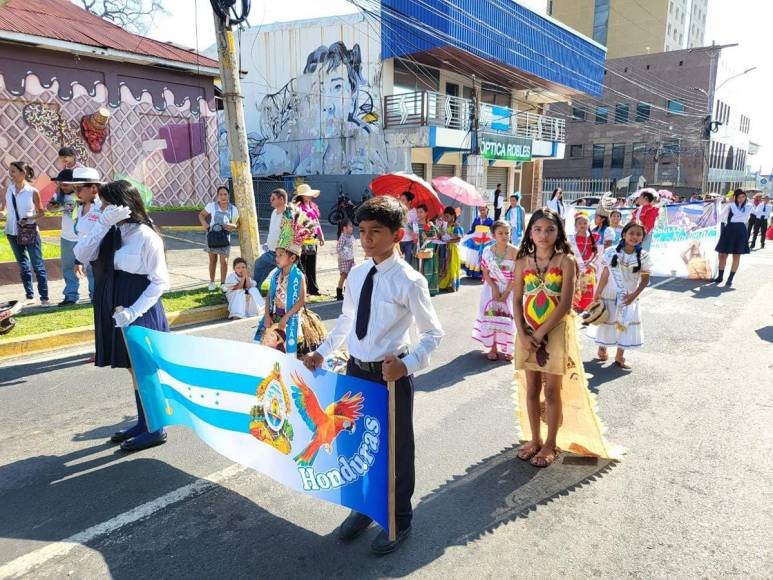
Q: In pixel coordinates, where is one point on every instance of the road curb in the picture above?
(58, 339)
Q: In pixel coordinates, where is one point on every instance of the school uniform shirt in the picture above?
(740, 215)
(25, 203)
(400, 295)
(557, 205)
(141, 252)
(762, 211)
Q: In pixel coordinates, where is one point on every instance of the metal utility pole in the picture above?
(249, 236)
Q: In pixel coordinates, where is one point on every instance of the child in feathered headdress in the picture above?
(287, 286)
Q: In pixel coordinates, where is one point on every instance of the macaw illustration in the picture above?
(325, 425)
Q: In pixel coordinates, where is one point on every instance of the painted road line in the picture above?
(662, 282)
(25, 564)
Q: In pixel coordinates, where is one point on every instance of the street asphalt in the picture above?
(691, 499)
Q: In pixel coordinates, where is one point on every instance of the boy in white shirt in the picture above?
(383, 298)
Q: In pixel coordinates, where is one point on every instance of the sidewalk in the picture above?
(188, 264)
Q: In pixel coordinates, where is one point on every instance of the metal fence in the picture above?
(575, 188)
(426, 108)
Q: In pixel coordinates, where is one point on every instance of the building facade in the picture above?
(651, 125)
(132, 107)
(632, 27)
(338, 101)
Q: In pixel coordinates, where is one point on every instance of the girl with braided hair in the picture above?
(625, 274)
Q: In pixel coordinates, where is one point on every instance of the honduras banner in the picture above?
(683, 240)
(323, 434)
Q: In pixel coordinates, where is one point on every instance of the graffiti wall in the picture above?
(160, 135)
(311, 108)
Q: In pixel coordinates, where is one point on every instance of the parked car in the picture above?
(587, 201)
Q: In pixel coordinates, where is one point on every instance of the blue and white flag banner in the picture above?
(323, 434)
(683, 240)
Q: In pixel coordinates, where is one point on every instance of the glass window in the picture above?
(676, 107)
(598, 156)
(642, 112)
(578, 113)
(618, 156)
(602, 115)
(621, 113)
(601, 21)
(575, 150)
(411, 77)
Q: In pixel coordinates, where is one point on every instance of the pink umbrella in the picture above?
(394, 184)
(459, 190)
(664, 193)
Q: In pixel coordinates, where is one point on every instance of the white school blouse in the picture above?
(141, 252)
(740, 214)
(400, 296)
(762, 211)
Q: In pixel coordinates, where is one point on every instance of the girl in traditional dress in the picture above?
(516, 217)
(546, 347)
(127, 256)
(494, 328)
(603, 233)
(451, 269)
(476, 240)
(304, 197)
(241, 292)
(646, 214)
(426, 257)
(287, 290)
(585, 250)
(625, 275)
(734, 239)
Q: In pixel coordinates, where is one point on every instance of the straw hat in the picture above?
(304, 189)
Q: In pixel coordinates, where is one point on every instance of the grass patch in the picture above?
(178, 208)
(82, 315)
(6, 253)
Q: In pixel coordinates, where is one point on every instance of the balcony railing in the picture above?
(427, 109)
(434, 109)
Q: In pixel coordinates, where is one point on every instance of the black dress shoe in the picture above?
(354, 524)
(67, 302)
(144, 441)
(382, 546)
(126, 434)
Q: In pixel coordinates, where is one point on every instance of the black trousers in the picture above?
(405, 472)
(309, 268)
(750, 225)
(760, 227)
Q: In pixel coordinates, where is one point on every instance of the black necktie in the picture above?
(363, 308)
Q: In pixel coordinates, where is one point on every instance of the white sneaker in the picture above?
(224, 287)
(212, 286)
(45, 303)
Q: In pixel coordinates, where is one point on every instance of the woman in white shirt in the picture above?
(734, 238)
(22, 206)
(556, 202)
(223, 216)
(127, 256)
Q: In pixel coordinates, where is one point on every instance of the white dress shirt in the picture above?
(400, 296)
(740, 215)
(557, 205)
(141, 252)
(762, 211)
(273, 230)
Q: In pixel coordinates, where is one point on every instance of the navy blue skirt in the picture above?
(734, 239)
(121, 289)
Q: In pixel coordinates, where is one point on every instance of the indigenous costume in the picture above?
(586, 286)
(426, 258)
(242, 303)
(581, 430)
(495, 325)
(734, 238)
(308, 261)
(472, 246)
(623, 328)
(451, 267)
(516, 217)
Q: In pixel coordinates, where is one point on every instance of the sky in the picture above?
(746, 22)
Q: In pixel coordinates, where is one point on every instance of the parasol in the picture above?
(394, 184)
(459, 190)
(665, 194)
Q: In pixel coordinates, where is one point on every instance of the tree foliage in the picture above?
(134, 15)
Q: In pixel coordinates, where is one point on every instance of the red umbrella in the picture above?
(459, 190)
(394, 184)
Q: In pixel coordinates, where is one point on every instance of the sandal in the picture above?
(623, 365)
(492, 356)
(602, 355)
(528, 450)
(545, 459)
(507, 357)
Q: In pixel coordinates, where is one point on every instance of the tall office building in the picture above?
(633, 27)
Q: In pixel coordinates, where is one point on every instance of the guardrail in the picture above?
(427, 108)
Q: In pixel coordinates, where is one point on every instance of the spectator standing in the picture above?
(345, 251)
(761, 213)
(498, 201)
(556, 203)
(266, 262)
(304, 196)
(410, 231)
(223, 219)
(65, 201)
(23, 206)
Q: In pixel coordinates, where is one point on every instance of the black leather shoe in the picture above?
(126, 434)
(382, 546)
(67, 302)
(354, 524)
(144, 441)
